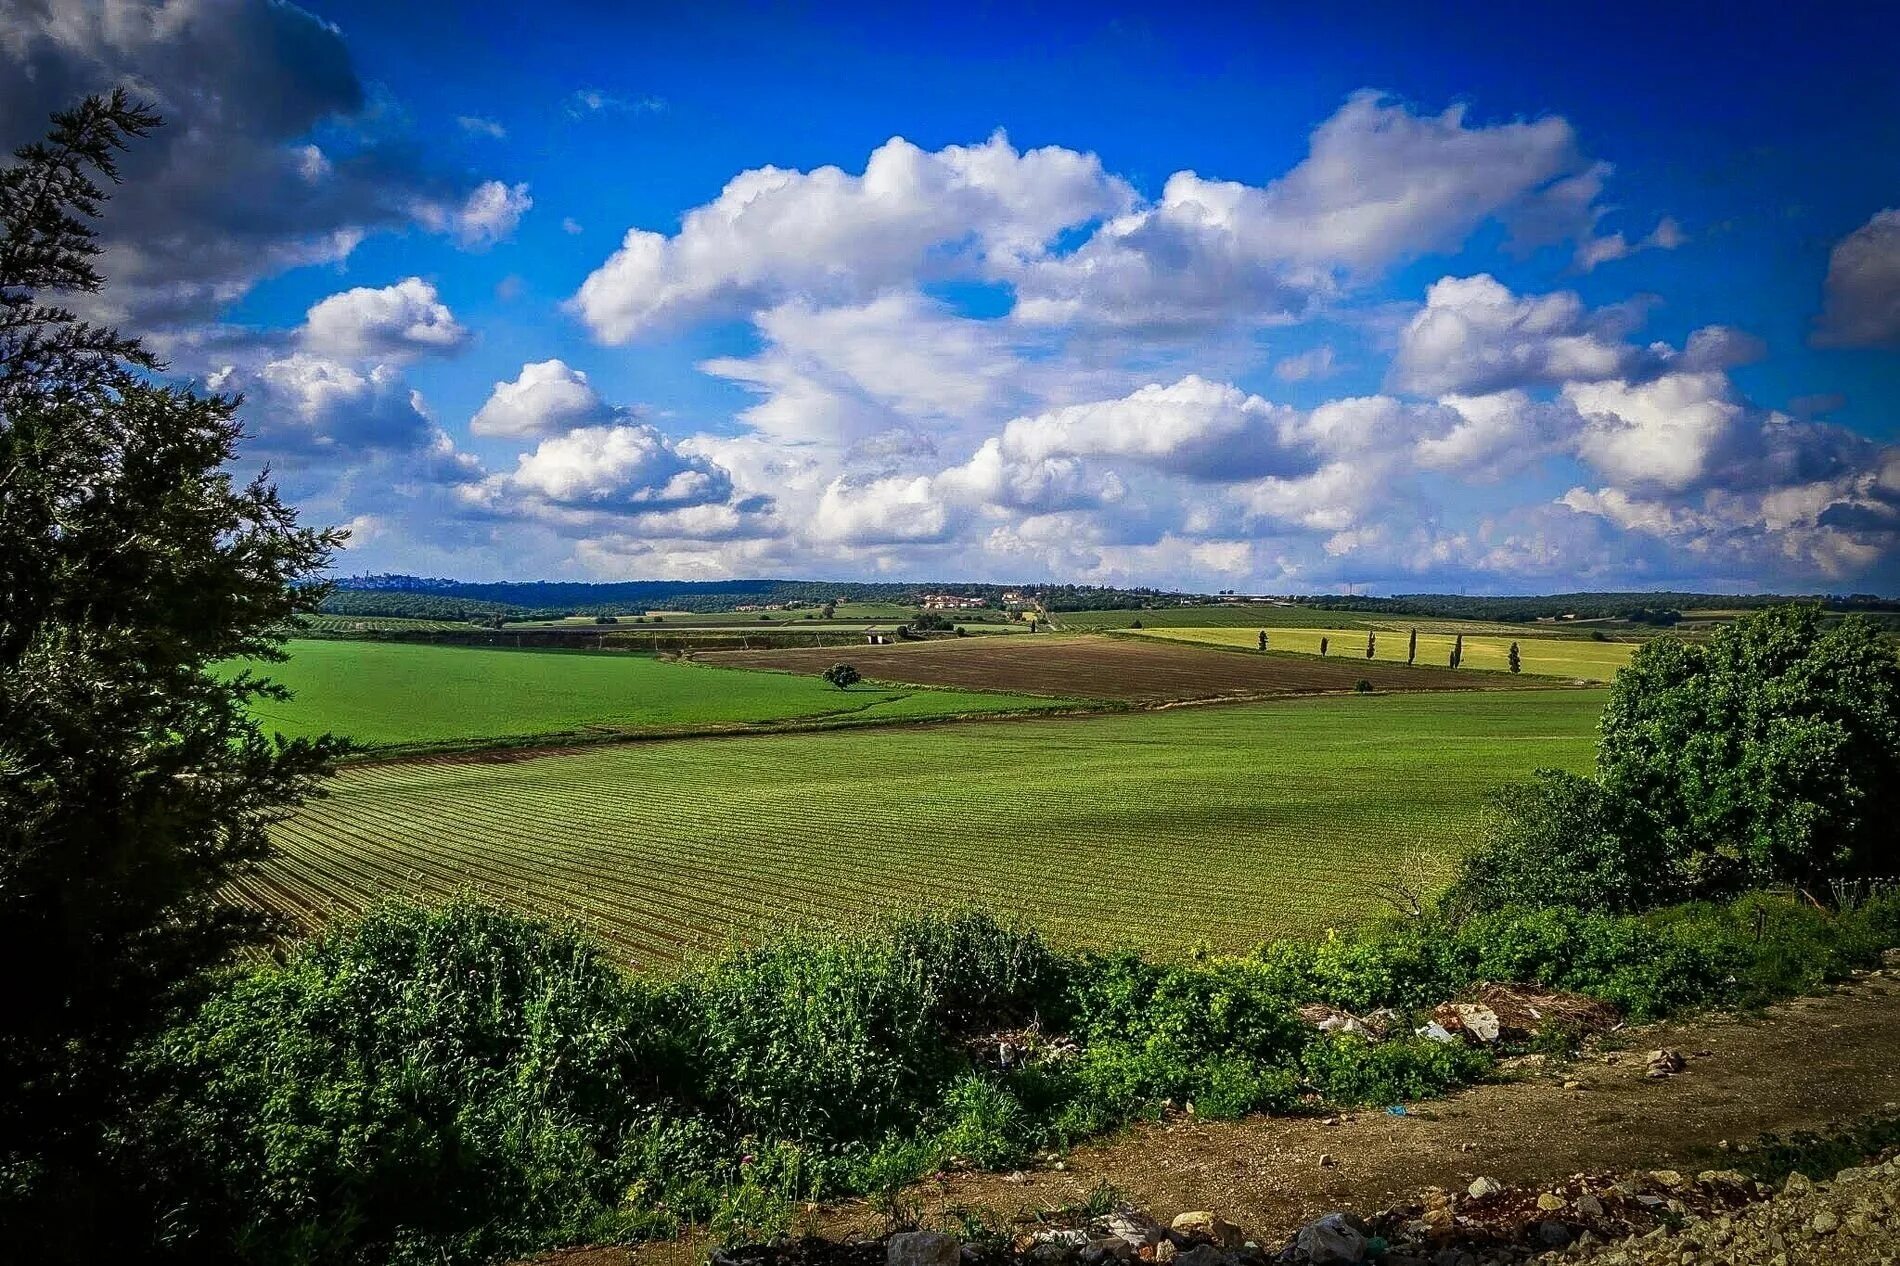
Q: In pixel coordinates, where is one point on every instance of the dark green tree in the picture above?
(1322, 645)
(843, 676)
(1458, 651)
(1769, 753)
(134, 783)
(1517, 663)
(1561, 840)
(1411, 650)
(1263, 639)
(1370, 643)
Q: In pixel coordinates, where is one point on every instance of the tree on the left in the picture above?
(137, 575)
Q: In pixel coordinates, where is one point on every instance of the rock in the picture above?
(1553, 1234)
(1165, 1251)
(1666, 1178)
(922, 1248)
(1108, 1248)
(1052, 1252)
(1331, 1241)
(1824, 1222)
(1203, 1255)
(1133, 1229)
(1482, 1187)
(1202, 1224)
(1589, 1206)
(1890, 957)
(1663, 1063)
(1573, 1085)
(1550, 1202)
(1797, 1184)
(1327, 1160)
(1436, 1032)
(1066, 1238)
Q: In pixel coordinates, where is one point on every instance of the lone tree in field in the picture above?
(1517, 664)
(1411, 650)
(1458, 651)
(133, 781)
(843, 676)
(1369, 643)
(1322, 646)
(1263, 639)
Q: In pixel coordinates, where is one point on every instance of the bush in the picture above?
(460, 1084)
(1769, 754)
(1562, 840)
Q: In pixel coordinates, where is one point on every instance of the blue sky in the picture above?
(1212, 297)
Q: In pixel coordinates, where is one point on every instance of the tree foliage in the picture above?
(1769, 753)
(133, 782)
(843, 676)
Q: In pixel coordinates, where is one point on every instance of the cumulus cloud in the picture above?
(548, 396)
(1473, 336)
(617, 469)
(1195, 428)
(1862, 292)
(774, 233)
(233, 188)
(1307, 366)
(1379, 185)
(405, 319)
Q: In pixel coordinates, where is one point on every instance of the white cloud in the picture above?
(475, 125)
(489, 215)
(606, 469)
(1473, 336)
(394, 321)
(774, 234)
(1379, 185)
(1194, 428)
(1862, 292)
(548, 396)
(1308, 366)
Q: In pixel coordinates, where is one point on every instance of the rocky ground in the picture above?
(1556, 1130)
(1654, 1218)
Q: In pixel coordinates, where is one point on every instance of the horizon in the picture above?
(1277, 302)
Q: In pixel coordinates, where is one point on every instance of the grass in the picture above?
(1164, 829)
(1240, 616)
(1544, 656)
(406, 696)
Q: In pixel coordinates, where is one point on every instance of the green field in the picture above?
(1167, 829)
(1240, 615)
(1565, 657)
(396, 695)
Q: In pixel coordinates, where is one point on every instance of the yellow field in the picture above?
(1544, 656)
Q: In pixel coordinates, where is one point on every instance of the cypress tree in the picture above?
(1517, 665)
(1322, 647)
(1369, 643)
(1263, 639)
(1411, 651)
(1458, 650)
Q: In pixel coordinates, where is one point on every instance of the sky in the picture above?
(1495, 299)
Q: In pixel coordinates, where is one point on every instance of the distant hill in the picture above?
(438, 598)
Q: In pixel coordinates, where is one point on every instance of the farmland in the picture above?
(396, 696)
(1130, 669)
(1171, 828)
(1545, 656)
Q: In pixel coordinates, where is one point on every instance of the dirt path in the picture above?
(1802, 1065)
(1805, 1063)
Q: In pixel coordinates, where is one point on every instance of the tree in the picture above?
(1458, 651)
(1411, 650)
(1369, 643)
(1322, 645)
(1517, 663)
(1769, 753)
(134, 782)
(1562, 840)
(1263, 639)
(843, 676)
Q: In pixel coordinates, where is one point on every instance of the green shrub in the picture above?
(1561, 840)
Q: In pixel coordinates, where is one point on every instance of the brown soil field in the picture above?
(1132, 670)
